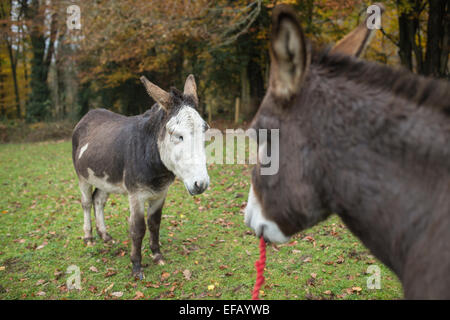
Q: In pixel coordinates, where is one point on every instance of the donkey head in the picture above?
(291, 200)
(181, 142)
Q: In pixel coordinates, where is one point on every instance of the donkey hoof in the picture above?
(88, 241)
(138, 275)
(106, 238)
(136, 272)
(158, 259)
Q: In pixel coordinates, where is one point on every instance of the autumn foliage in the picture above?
(48, 71)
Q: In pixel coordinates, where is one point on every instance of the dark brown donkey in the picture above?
(364, 141)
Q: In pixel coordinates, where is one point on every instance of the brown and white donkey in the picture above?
(140, 156)
(362, 140)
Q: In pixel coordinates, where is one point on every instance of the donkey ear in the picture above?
(159, 95)
(356, 41)
(288, 52)
(190, 88)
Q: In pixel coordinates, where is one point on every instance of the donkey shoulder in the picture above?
(100, 132)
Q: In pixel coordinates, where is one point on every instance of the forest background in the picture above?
(53, 71)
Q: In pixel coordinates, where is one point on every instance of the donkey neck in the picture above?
(146, 166)
(385, 164)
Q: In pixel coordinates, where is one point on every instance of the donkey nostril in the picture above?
(199, 186)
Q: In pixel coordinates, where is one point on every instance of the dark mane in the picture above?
(423, 91)
(179, 98)
(158, 117)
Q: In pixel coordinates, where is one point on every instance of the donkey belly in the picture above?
(102, 183)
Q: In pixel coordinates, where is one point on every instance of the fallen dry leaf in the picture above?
(93, 269)
(187, 274)
(164, 276)
(58, 274)
(108, 288)
(138, 295)
(110, 273)
(40, 281)
(92, 289)
(42, 245)
(117, 294)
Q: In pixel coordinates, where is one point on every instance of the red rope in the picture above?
(259, 265)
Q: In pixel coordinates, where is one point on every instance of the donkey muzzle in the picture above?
(255, 220)
(198, 187)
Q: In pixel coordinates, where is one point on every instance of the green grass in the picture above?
(41, 236)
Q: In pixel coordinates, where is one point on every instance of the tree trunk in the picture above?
(39, 100)
(416, 45)
(435, 59)
(408, 26)
(83, 95)
(437, 38)
(13, 62)
(446, 44)
(405, 48)
(2, 93)
(245, 92)
(309, 14)
(6, 14)
(236, 110)
(25, 66)
(256, 77)
(61, 67)
(252, 83)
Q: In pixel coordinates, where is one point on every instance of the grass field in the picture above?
(208, 250)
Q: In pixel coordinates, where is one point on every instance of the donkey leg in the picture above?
(154, 222)
(137, 232)
(100, 198)
(86, 203)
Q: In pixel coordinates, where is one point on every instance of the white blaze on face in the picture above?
(262, 227)
(182, 149)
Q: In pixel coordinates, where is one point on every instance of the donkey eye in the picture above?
(177, 137)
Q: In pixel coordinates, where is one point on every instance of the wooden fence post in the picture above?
(236, 110)
(209, 114)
